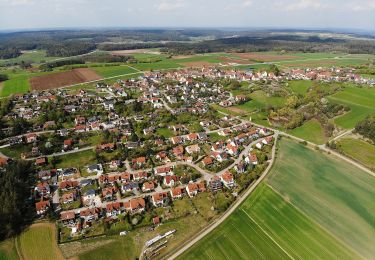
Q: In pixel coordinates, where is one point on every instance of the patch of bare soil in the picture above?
(63, 79)
(72, 249)
(198, 64)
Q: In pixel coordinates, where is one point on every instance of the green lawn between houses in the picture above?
(335, 194)
(266, 226)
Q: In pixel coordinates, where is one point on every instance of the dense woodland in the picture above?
(72, 43)
(367, 128)
(15, 195)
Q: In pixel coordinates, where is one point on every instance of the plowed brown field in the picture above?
(63, 79)
(265, 57)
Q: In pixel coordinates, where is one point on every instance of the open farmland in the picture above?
(360, 101)
(39, 242)
(16, 84)
(63, 79)
(264, 57)
(113, 71)
(311, 131)
(335, 194)
(267, 227)
(359, 150)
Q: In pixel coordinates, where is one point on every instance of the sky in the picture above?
(317, 14)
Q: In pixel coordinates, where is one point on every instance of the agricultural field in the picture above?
(359, 150)
(113, 71)
(360, 101)
(333, 193)
(311, 131)
(34, 56)
(266, 226)
(37, 242)
(16, 84)
(62, 79)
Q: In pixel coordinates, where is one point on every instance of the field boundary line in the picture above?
(315, 222)
(19, 253)
(265, 232)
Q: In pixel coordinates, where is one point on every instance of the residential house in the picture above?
(114, 209)
(215, 184)
(95, 169)
(193, 188)
(135, 205)
(177, 193)
(171, 180)
(162, 171)
(148, 186)
(193, 149)
(42, 207)
(158, 199)
(227, 179)
(68, 185)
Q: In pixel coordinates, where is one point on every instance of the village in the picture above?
(155, 138)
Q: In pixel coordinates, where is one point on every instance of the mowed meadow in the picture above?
(36, 242)
(361, 102)
(333, 193)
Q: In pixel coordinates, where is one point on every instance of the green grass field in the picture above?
(266, 226)
(8, 250)
(15, 85)
(77, 160)
(164, 132)
(359, 150)
(300, 86)
(260, 100)
(360, 101)
(35, 56)
(311, 131)
(335, 194)
(39, 242)
(112, 71)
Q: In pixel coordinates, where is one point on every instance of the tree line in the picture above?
(366, 128)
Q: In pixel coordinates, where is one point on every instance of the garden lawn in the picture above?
(266, 226)
(334, 193)
(359, 150)
(166, 132)
(311, 131)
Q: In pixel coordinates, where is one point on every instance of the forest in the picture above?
(367, 128)
(15, 195)
(67, 43)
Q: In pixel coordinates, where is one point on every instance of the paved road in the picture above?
(234, 206)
